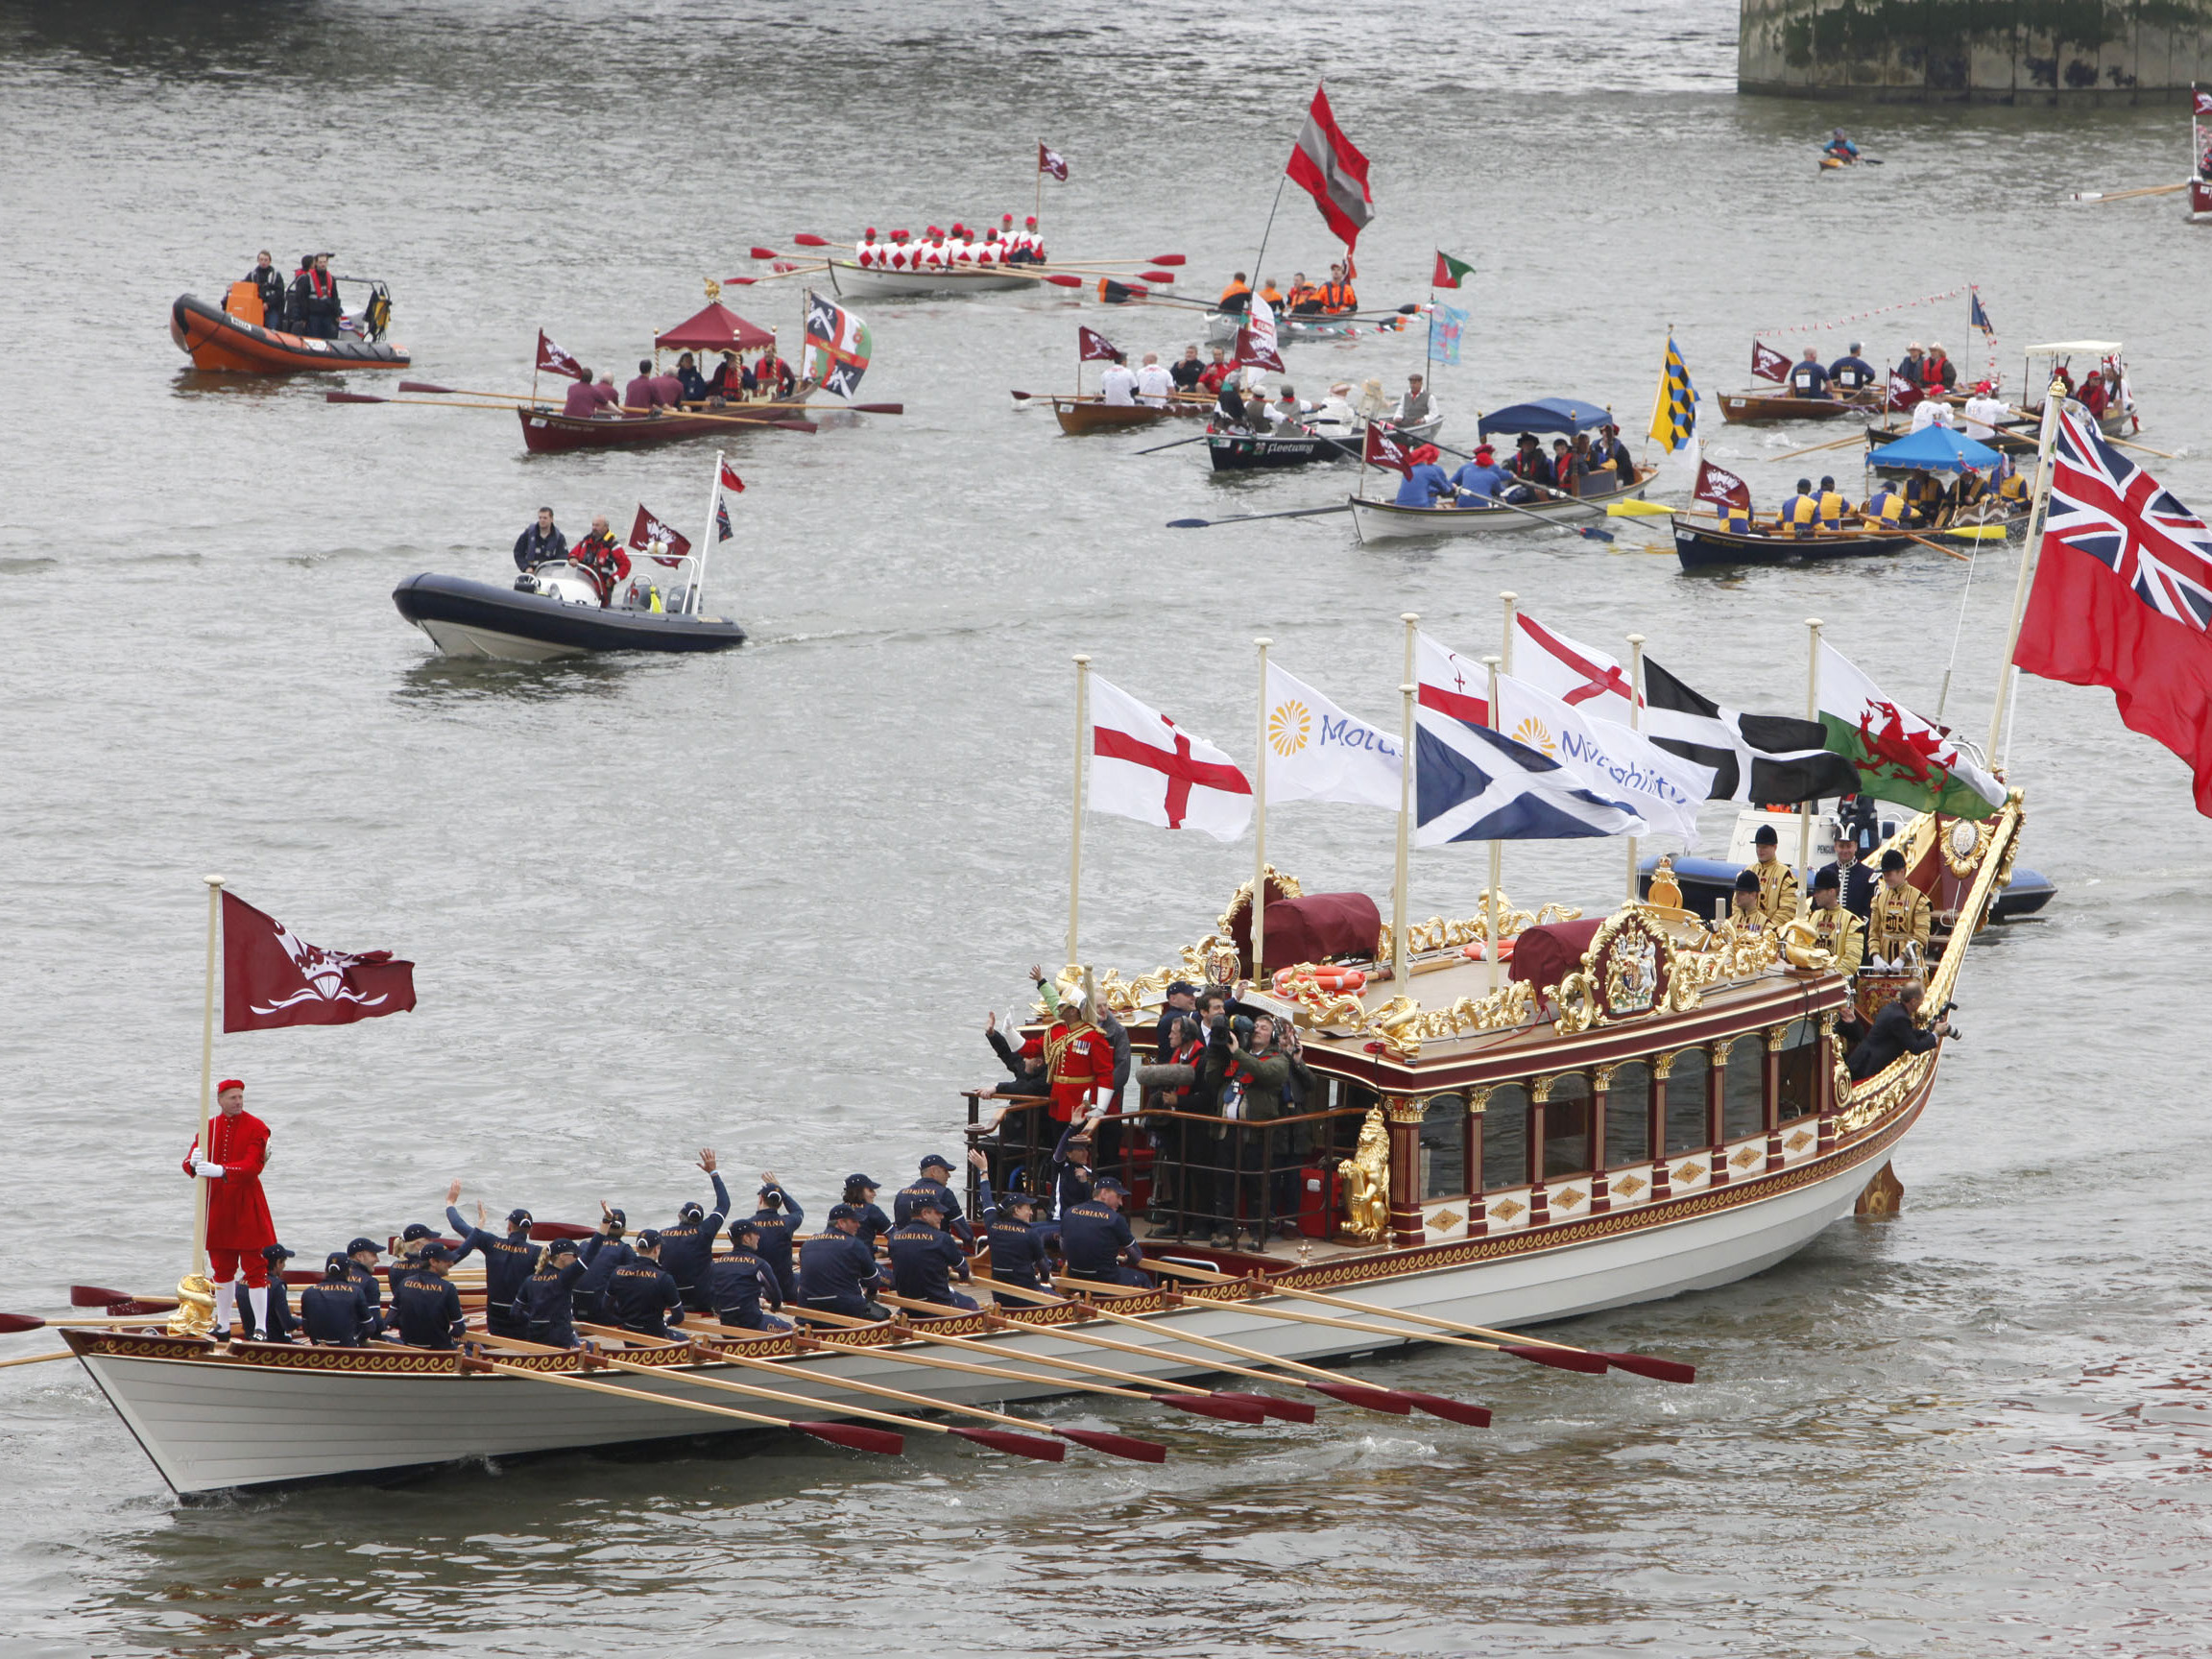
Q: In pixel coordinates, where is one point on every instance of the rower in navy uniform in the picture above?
(925, 1259)
(280, 1323)
(1095, 1239)
(424, 1305)
(1851, 371)
(687, 1248)
(603, 1253)
(1808, 378)
(1017, 1244)
(335, 1312)
(779, 1219)
(414, 1240)
(641, 1293)
(507, 1261)
(1800, 513)
(932, 1183)
(860, 1193)
(361, 1268)
(739, 1281)
(548, 1296)
(836, 1271)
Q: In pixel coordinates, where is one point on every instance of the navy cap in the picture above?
(942, 1163)
(1107, 1184)
(415, 1230)
(690, 1212)
(617, 1218)
(436, 1253)
(1013, 1198)
(277, 1253)
(334, 1262)
(522, 1216)
(867, 1181)
(1182, 987)
(929, 1201)
(561, 1247)
(1746, 882)
(368, 1244)
(748, 1225)
(649, 1239)
(843, 1212)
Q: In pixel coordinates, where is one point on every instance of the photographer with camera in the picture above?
(1897, 1032)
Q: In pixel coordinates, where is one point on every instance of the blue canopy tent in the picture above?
(1567, 416)
(1934, 449)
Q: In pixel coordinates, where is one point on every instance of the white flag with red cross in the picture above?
(1144, 766)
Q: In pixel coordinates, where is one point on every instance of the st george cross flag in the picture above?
(1898, 756)
(1722, 486)
(1316, 752)
(838, 345)
(1144, 766)
(1578, 675)
(1755, 757)
(1092, 347)
(552, 360)
(2123, 596)
(1607, 759)
(1256, 340)
(648, 528)
(1387, 449)
(272, 976)
(1767, 363)
(1448, 683)
(1051, 160)
(1328, 168)
(1476, 784)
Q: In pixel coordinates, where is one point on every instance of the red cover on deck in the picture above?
(1542, 956)
(717, 328)
(1320, 925)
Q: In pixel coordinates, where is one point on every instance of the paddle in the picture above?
(1177, 445)
(1638, 509)
(35, 1358)
(1249, 517)
(858, 1439)
(1815, 448)
(2125, 195)
(426, 402)
(1978, 531)
(1947, 552)
(1588, 532)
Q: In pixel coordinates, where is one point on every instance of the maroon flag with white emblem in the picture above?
(272, 978)
(1329, 169)
(1769, 364)
(552, 360)
(1722, 486)
(648, 528)
(1903, 394)
(1384, 450)
(1051, 160)
(1092, 347)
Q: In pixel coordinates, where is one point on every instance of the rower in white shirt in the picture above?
(1154, 384)
(1118, 384)
(1932, 411)
(1983, 412)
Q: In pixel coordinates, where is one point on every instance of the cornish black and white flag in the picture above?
(1762, 757)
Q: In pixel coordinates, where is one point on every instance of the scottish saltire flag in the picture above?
(1446, 324)
(1978, 318)
(838, 345)
(1475, 784)
(1675, 414)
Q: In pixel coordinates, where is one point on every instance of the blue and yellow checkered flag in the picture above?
(1675, 412)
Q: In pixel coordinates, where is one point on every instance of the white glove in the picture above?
(211, 1171)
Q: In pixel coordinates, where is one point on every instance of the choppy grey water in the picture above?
(764, 901)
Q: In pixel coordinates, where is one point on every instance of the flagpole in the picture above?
(2030, 554)
(1040, 213)
(1399, 886)
(207, 1075)
(708, 537)
(1506, 651)
(1260, 823)
(1497, 852)
(1813, 626)
(1259, 276)
(1635, 724)
(1075, 836)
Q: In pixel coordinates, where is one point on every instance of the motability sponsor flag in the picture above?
(1722, 486)
(272, 976)
(1384, 449)
(1755, 757)
(1449, 270)
(1144, 766)
(1899, 757)
(1608, 758)
(2123, 596)
(1476, 784)
(1316, 752)
(1256, 340)
(1675, 411)
(1448, 683)
(552, 360)
(1447, 326)
(1092, 347)
(1769, 364)
(1328, 168)
(838, 346)
(647, 528)
(1051, 160)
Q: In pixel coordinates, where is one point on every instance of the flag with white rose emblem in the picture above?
(272, 976)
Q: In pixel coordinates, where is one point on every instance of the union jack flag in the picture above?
(2105, 507)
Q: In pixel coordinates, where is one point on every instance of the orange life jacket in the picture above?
(1339, 297)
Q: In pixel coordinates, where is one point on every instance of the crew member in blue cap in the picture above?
(932, 1183)
(1096, 1238)
(641, 1293)
(687, 1248)
(507, 1262)
(603, 1253)
(739, 1279)
(336, 1312)
(1018, 1252)
(925, 1259)
(860, 1193)
(425, 1305)
(361, 1268)
(413, 1240)
(280, 1325)
(545, 1298)
(779, 1219)
(836, 1271)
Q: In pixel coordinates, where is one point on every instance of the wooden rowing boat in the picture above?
(546, 431)
(1386, 520)
(214, 339)
(1091, 413)
(1249, 451)
(1770, 408)
(1702, 544)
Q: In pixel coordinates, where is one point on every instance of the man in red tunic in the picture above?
(238, 1224)
(1078, 1057)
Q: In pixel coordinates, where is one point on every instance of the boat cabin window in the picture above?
(1567, 1125)
(1685, 1105)
(1444, 1146)
(1744, 1095)
(1800, 1072)
(1505, 1137)
(1629, 1115)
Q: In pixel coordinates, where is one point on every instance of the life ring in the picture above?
(1340, 980)
(1475, 952)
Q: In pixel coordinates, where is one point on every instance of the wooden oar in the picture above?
(1587, 532)
(1947, 552)
(851, 1435)
(427, 402)
(1237, 1408)
(2126, 194)
(1978, 531)
(1177, 445)
(14, 1322)
(37, 1358)
(427, 386)
(1507, 1341)
(1815, 448)
(1251, 517)
(1638, 509)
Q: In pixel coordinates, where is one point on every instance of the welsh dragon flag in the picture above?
(1899, 755)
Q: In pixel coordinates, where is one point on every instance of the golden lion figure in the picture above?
(1367, 1179)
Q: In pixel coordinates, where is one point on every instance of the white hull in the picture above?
(1387, 522)
(870, 284)
(464, 639)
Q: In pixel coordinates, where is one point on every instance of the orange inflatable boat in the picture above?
(231, 336)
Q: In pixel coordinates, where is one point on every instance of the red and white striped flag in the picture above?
(1329, 169)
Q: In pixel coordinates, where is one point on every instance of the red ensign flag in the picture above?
(271, 977)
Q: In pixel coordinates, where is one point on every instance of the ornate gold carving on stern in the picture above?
(1631, 969)
(1240, 901)
(1882, 1195)
(195, 1315)
(1367, 1180)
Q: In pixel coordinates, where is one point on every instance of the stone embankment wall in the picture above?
(1975, 51)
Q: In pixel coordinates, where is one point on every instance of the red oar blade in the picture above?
(877, 408)
(1449, 1409)
(1644, 1365)
(132, 1306)
(1061, 280)
(1285, 1410)
(561, 1229)
(1202, 1405)
(1558, 1359)
(1020, 1445)
(425, 386)
(352, 398)
(858, 1439)
(1117, 1445)
(93, 1296)
(1368, 1399)
(742, 282)
(1156, 275)
(807, 239)
(1169, 259)
(21, 1322)
(762, 253)
(792, 426)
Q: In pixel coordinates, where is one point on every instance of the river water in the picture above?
(763, 901)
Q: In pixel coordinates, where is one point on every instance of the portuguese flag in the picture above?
(1899, 755)
(1449, 270)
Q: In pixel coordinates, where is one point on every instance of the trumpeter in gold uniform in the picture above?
(1901, 915)
(1777, 881)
